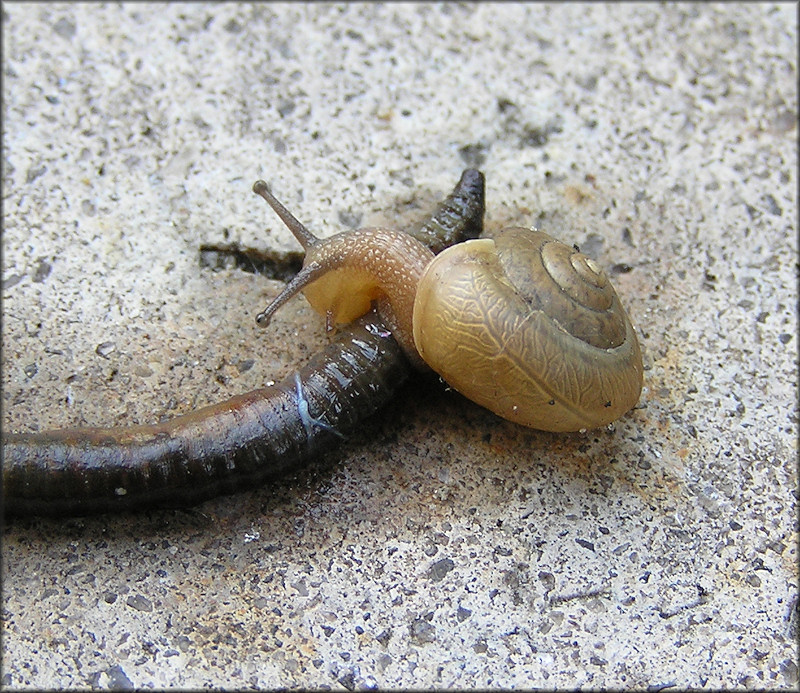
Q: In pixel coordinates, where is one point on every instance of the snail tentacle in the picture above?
(308, 274)
(300, 232)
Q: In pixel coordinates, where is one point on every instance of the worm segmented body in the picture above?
(232, 445)
(212, 451)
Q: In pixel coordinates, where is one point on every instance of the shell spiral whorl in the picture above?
(565, 284)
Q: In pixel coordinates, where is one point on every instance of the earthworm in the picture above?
(237, 443)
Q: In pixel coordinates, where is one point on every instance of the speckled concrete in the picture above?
(440, 547)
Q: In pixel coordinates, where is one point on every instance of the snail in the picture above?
(522, 324)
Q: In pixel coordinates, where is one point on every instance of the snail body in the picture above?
(523, 325)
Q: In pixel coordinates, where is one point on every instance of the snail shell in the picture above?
(530, 329)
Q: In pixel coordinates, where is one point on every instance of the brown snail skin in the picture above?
(523, 324)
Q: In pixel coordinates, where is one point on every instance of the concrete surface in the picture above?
(440, 547)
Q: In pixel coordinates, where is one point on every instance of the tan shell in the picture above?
(531, 329)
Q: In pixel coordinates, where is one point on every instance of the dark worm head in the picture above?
(459, 217)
